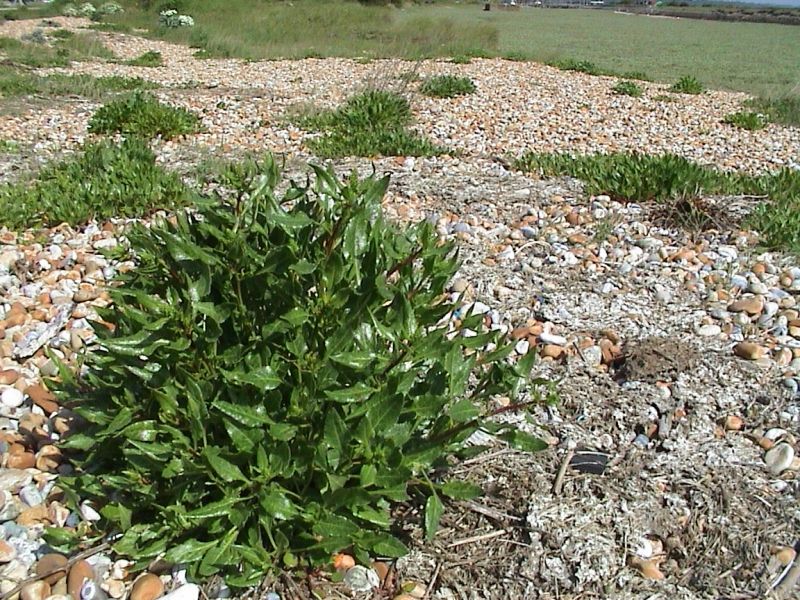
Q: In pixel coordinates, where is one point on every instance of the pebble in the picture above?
(79, 573)
(52, 562)
(147, 587)
(190, 591)
(749, 350)
(551, 338)
(709, 330)
(12, 397)
(361, 579)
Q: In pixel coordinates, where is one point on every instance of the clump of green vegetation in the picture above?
(461, 59)
(447, 86)
(59, 54)
(373, 123)
(638, 75)
(142, 114)
(580, 66)
(665, 98)
(20, 82)
(687, 84)
(9, 146)
(62, 34)
(515, 56)
(106, 180)
(289, 352)
(113, 27)
(670, 178)
(151, 58)
(784, 110)
(628, 88)
(749, 120)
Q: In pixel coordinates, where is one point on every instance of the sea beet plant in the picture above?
(141, 114)
(275, 374)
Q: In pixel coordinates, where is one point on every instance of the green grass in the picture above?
(784, 110)
(447, 86)
(671, 179)
(749, 120)
(151, 58)
(321, 28)
(8, 146)
(373, 123)
(141, 114)
(106, 180)
(628, 88)
(15, 82)
(78, 47)
(664, 49)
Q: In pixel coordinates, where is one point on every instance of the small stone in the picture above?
(88, 513)
(360, 579)
(593, 355)
(84, 295)
(552, 351)
(79, 573)
(709, 330)
(43, 398)
(190, 591)
(24, 460)
(460, 285)
(31, 495)
(12, 480)
(52, 563)
(733, 423)
(551, 338)
(37, 590)
(147, 587)
(749, 350)
(8, 376)
(751, 306)
(115, 588)
(522, 347)
(7, 552)
(779, 458)
(12, 397)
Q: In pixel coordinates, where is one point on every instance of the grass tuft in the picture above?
(373, 123)
(687, 84)
(142, 114)
(150, 58)
(447, 86)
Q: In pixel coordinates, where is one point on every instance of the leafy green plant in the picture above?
(515, 56)
(106, 180)
(638, 75)
(151, 58)
(628, 88)
(368, 124)
(19, 82)
(141, 113)
(281, 370)
(9, 146)
(749, 120)
(687, 85)
(447, 86)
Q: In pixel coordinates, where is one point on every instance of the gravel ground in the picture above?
(676, 352)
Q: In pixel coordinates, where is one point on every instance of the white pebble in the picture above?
(12, 397)
(552, 338)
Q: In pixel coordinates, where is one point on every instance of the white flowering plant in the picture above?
(170, 18)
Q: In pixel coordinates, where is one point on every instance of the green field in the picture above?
(763, 59)
(752, 57)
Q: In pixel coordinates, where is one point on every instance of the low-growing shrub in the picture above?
(281, 370)
(372, 123)
(151, 58)
(628, 88)
(142, 114)
(749, 120)
(172, 20)
(687, 85)
(106, 180)
(447, 86)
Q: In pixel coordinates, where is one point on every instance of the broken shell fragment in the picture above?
(784, 554)
(779, 458)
